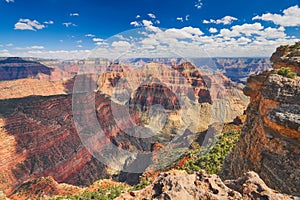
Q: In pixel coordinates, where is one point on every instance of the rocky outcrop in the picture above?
(287, 56)
(269, 143)
(44, 188)
(178, 185)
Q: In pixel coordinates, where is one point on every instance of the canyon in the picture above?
(165, 104)
(39, 136)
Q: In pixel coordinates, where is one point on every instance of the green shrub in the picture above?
(109, 193)
(212, 160)
(286, 72)
(141, 185)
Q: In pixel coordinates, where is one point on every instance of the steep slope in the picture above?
(38, 138)
(270, 143)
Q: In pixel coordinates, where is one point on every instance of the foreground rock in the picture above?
(270, 142)
(180, 185)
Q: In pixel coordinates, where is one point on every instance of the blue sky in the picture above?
(56, 28)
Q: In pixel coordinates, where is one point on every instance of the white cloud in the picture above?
(289, 18)
(9, 1)
(187, 17)
(90, 35)
(243, 40)
(30, 48)
(151, 15)
(135, 24)
(198, 4)
(98, 40)
(5, 53)
(213, 30)
(121, 44)
(138, 16)
(68, 24)
(225, 20)
(147, 23)
(179, 19)
(27, 24)
(206, 22)
(49, 22)
(248, 29)
(9, 44)
(74, 14)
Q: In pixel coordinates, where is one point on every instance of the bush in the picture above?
(286, 72)
(212, 161)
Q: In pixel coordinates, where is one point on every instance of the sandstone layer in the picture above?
(269, 143)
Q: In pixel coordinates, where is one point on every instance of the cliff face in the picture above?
(269, 143)
(38, 138)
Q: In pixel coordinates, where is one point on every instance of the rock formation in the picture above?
(178, 185)
(38, 135)
(269, 143)
(287, 56)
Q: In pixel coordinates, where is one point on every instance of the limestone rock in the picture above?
(178, 185)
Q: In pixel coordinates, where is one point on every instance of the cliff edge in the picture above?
(269, 144)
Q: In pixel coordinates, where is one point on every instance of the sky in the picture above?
(68, 29)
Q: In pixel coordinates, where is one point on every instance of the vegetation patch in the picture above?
(286, 72)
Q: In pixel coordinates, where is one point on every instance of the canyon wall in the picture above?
(269, 143)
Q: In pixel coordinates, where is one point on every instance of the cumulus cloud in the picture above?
(198, 4)
(151, 15)
(98, 40)
(187, 17)
(68, 24)
(213, 30)
(30, 48)
(248, 29)
(74, 14)
(135, 24)
(179, 19)
(9, 1)
(27, 24)
(147, 23)
(90, 35)
(49, 22)
(290, 17)
(182, 19)
(225, 20)
(121, 45)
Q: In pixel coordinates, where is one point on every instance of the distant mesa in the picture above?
(14, 68)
